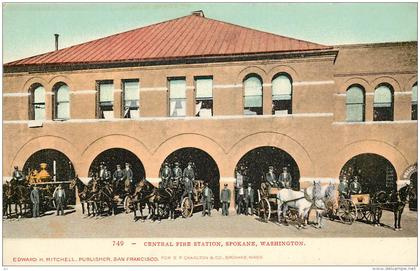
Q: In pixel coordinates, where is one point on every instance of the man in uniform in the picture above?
(128, 173)
(177, 175)
(166, 175)
(17, 176)
(206, 199)
(60, 198)
(35, 202)
(270, 177)
(118, 177)
(239, 190)
(188, 186)
(249, 199)
(355, 186)
(285, 179)
(189, 172)
(343, 188)
(225, 200)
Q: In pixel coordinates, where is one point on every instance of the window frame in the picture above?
(99, 112)
(363, 103)
(123, 107)
(169, 79)
(390, 108)
(207, 99)
(289, 101)
(260, 108)
(56, 88)
(31, 101)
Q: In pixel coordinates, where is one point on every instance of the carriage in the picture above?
(187, 206)
(267, 204)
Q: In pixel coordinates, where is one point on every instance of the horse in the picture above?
(102, 193)
(7, 199)
(323, 199)
(294, 199)
(21, 199)
(396, 204)
(83, 192)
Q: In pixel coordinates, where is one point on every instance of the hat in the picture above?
(16, 167)
(127, 164)
(190, 163)
(118, 165)
(226, 185)
(284, 167)
(176, 163)
(249, 184)
(270, 167)
(166, 164)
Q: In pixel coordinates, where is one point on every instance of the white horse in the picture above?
(313, 197)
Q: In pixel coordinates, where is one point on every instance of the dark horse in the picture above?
(83, 192)
(161, 201)
(102, 196)
(7, 199)
(395, 202)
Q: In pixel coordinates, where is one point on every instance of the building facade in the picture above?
(221, 96)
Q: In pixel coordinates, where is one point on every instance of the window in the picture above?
(253, 96)
(355, 104)
(177, 98)
(37, 100)
(62, 102)
(131, 98)
(204, 97)
(282, 95)
(106, 100)
(383, 104)
(414, 102)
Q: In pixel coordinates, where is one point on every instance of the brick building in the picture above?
(220, 95)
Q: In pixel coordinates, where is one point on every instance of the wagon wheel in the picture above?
(369, 215)
(128, 204)
(361, 213)
(187, 207)
(347, 211)
(264, 210)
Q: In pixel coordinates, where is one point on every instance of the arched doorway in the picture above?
(118, 156)
(375, 172)
(59, 166)
(205, 168)
(255, 165)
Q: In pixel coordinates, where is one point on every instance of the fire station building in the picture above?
(220, 95)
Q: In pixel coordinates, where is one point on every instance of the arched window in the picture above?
(61, 102)
(355, 104)
(37, 103)
(282, 95)
(414, 102)
(253, 100)
(383, 108)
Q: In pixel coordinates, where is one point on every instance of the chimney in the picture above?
(198, 13)
(56, 41)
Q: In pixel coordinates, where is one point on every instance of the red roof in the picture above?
(189, 36)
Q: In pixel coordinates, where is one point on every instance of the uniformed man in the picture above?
(270, 177)
(166, 175)
(355, 186)
(343, 188)
(285, 179)
(189, 172)
(188, 188)
(60, 198)
(249, 199)
(118, 177)
(177, 175)
(35, 202)
(17, 176)
(225, 195)
(206, 199)
(128, 173)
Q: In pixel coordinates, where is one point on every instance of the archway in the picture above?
(375, 172)
(59, 166)
(255, 165)
(205, 168)
(118, 156)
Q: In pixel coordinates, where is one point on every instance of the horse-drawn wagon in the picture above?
(268, 204)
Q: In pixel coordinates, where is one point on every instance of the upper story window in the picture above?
(383, 109)
(61, 102)
(131, 98)
(106, 99)
(177, 97)
(355, 104)
(204, 97)
(282, 95)
(253, 100)
(37, 103)
(414, 102)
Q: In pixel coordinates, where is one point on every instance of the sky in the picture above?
(28, 29)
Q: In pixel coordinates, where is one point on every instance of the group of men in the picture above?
(120, 175)
(346, 188)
